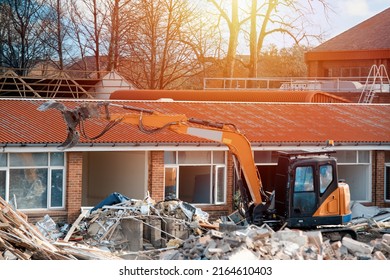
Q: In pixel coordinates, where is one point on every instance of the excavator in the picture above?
(307, 193)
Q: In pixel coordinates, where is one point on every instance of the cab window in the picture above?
(326, 177)
(304, 179)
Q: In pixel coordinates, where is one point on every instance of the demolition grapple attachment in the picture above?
(74, 118)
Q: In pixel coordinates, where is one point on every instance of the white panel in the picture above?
(205, 133)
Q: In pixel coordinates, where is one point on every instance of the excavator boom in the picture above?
(150, 121)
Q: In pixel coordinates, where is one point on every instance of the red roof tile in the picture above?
(229, 95)
(262, 123)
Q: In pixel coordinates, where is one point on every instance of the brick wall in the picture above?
(156, 175)
(378, 179)
(74, 185)
(230, 184)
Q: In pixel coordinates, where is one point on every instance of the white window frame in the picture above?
(368, 190)
(216, 181)
(213, 179)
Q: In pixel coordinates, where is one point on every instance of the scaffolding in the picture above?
(57, 84)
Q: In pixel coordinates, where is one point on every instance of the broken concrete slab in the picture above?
(356, 246)
(133, 230)
(378, 255)
(242, 254)
(314, 237)
(295, 236)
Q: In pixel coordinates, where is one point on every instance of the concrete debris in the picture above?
(356, 246)
(158, 225)
(361, 213)
(255, 243)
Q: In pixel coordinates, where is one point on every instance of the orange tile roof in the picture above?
(229, 95)
(263, 123)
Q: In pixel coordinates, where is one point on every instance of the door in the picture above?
(304, 199)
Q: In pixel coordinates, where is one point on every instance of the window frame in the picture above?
(214, 166)
(49, 167)
(387, 177)
(321, 185)
(357, 162)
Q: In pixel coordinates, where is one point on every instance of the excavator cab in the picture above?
(308, 191)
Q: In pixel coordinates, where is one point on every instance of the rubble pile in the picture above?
(370, 220)
(20, 240)
(261, 243)
(114, 226)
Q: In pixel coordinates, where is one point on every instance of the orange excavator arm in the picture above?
(151, 121)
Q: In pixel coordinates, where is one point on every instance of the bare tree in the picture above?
(286, 17)
(22, 44)
(113, 48)
(76, 32)
(234, 25)
(252, 43)
(285, 62)
(89, 19)
(158, 54)
(205, 40)
(56, 31)
(289, 17)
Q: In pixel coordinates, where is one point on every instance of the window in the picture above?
(303, 179)
(354, 167)
(197, 177)
(170, 182)
(326, 177)
(33, 180)
(2, 183)
(265, 157)
(3, 164)
(304, 198)
(346, 156)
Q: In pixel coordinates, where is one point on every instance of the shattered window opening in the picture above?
(33, 180)
(197, 177)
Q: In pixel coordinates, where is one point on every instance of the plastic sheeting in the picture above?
(112, 199)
